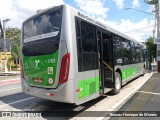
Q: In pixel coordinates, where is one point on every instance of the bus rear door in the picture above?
(106, 61)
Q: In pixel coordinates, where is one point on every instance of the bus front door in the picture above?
(106, 62)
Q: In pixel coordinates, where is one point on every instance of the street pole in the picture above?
(156, 3)
(4, 43)
(158, 35)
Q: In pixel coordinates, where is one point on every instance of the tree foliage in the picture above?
(151, 1)
(151, 46)
(13, 34)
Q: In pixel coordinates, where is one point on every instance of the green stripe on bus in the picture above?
(88, 87)
(126, 73)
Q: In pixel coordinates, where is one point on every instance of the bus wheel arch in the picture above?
(119, 71)
(118, 82)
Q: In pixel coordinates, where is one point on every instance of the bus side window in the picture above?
(79, 46)
(141, 56)
(99, 40)
(78, 38)
(126, 51)
(117, 50)
(89, 46)
(133, 52)
(137, 47)
(88, 33)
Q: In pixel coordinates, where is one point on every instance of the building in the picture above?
(2, 53)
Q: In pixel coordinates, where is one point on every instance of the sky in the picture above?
(135, 24)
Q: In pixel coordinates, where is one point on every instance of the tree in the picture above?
(151, 1)
(151, 46)
(14, 56)
(16, 53)
(13, 34)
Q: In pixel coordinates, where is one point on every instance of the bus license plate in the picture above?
(38, 80)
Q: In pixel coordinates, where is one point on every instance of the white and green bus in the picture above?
(67, 56)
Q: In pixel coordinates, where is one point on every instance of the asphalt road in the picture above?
(12, 99)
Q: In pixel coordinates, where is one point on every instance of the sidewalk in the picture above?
(147, 98)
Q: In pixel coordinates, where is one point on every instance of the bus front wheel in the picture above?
(118, 84)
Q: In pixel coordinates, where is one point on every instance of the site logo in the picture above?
(6, 114)
(21, 114)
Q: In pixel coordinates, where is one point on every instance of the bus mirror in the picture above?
(1, 30)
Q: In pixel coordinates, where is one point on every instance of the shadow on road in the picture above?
(49, 109)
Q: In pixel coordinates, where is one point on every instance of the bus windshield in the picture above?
(43, 26)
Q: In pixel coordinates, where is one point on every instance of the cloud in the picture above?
(135, 3)
(119, 3)
(93, 7)
(19, 10)
(139, 31)
(38, 4)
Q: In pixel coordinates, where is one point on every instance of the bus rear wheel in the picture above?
(118, 84)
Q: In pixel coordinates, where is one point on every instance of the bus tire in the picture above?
(118, 84)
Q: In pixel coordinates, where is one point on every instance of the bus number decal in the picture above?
(119, 61)
(50, 61)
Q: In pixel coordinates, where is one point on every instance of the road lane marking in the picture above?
(10, 89)
(149, 92)
(155, 78)
(16, 102)
(11, 81)
(123, 99)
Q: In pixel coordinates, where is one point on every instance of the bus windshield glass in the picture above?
(44, 26)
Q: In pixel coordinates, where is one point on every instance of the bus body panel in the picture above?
(86, 83)
(63, 93)
(129, 72)
(80, 86)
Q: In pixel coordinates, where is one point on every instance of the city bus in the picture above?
(67, 56)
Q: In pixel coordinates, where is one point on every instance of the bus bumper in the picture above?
(63, 93)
